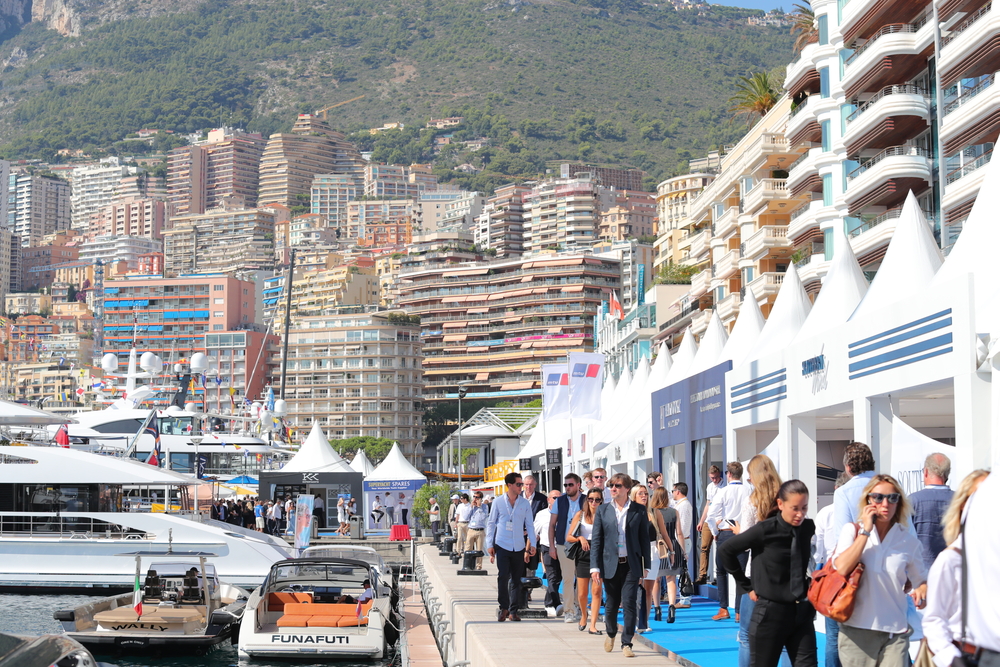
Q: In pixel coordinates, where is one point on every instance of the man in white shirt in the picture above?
(462, 514)
(707, 536)
(476, 530)
(601, 482)
(685, 519)
(725, 512)
(553, 573)
(983, 554)
(390, 509)
(403, 510)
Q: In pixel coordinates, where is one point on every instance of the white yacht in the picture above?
(64, 519)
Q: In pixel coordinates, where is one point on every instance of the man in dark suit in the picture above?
(620, 555)
(538, 500)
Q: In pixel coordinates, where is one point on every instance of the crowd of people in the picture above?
(622, 545)
(390, 510)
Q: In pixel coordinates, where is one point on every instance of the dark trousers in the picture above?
(405, 512)
(989, 659)
(320, 515)
(553, 575)
(621, 590)
(721, 578)
(510, 569)
(530, 569)
(782, 625)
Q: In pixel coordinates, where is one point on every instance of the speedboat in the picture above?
(180, 608)
(357, 552)
(64, 519)
(310, 607)
(44, 651)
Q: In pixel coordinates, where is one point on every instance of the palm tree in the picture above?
(804, 26)
(756, 95)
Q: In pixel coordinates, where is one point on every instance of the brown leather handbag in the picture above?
(831, 593)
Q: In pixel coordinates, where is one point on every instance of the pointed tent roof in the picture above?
(746, 331)
(789, 312)
(712, 345)
(661, 369)
(362, 464)
(634, 403)
(683, 358)
(843, 289)
(316, 455)
(395, 467)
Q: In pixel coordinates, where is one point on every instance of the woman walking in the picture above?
(344, 526)
(580, 531)
(780, 547)
(670, 567)
(943, 615)
(877, 633)
(640, 494)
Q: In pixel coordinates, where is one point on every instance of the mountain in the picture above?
(609, 81)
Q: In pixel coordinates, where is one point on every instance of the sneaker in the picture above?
(559, 610)
(551, 612)
(571, 618)
(609, 644)
(627, 651)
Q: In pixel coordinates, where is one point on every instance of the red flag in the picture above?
(358, 610)
(616, 306)
(62, 436)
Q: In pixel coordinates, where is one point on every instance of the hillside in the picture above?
(544, 79)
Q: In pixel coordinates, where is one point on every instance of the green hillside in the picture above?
(617, 83)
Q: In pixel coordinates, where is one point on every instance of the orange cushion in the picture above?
(351, 621)
(277, 601)
(325, 621)
(293, 621)
(325, 609)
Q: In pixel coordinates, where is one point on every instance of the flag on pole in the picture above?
(555, 391)
(154, 430)
(358, 611)
(137, 594)
(586, 376)
(616, 307)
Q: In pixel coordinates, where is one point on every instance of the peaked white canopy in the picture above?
(316, 455)
(712, 345)
(844, 287)
(636, 401)
(395, 467)
(746, 331)
(683, 358)
(909, 264)
(789, 312)
(362, 464)
(661, 369)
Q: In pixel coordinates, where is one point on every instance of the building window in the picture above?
(845, 111)
(828, 244)
(823, 28)
(218, 288)
(824, 82)
(825, 139)
(849, 166)
(827, 189)
(217, 327)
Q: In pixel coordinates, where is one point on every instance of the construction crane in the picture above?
(338, 104)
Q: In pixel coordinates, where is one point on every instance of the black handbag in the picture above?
(685, 585)
(574, 550)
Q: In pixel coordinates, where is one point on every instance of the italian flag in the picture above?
(137, 595)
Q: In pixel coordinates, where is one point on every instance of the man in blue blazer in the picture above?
(620, 555)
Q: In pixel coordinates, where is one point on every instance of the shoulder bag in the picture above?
(831, 593)
(969, 654)
(575, 550)
(662, 548)
(684, 583)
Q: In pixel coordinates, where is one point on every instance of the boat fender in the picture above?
(65, 615)
(222, 617)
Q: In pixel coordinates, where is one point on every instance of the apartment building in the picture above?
(228, 239)
(636, 260)
(4, 199)
(10, 263)
(673, 197)
(28, 339)
(329, 196)
(317, 292)
(129, 217)
(439, 249)
(95, 186)
(500, 227)
(367, 212)
(630, 214)
(49, 382)
(390, 234)
(387, 268)
(357, 373)
(494, 323)
(561, 214)
(26, 303)
(225, 164)
(38, 205)
(38, 264)
(291, 160)
(115, 249)
(462, 211)
(390, 181)
(237, 360)
(620, 179)
(141, 185)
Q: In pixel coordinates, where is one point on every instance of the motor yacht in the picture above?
(357, 552)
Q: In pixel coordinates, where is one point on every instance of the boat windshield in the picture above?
(340, 574)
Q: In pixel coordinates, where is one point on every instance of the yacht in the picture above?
(64, 518)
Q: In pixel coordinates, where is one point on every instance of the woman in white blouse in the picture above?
(943, 616)
(877, 634)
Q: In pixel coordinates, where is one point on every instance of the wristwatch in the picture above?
(862, 531)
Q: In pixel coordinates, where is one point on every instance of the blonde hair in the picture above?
(634, 491)
(903, 509)
(766, 482)
(952, 520)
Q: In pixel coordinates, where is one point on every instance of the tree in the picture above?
(374, 448)
(675, 274)
(804, 26)
(756, 95)
(422, 502)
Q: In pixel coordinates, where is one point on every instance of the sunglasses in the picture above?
(617, 486)
(599, 477)
(877, 498)
(595, 500)
(518, 484)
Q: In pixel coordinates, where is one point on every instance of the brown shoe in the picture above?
(722, 615)
(515, 617)
(503, 615)
(609, 644)
(627, 651)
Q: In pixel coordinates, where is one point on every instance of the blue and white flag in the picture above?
(586, 377)
(555, 391)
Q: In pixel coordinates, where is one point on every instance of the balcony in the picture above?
(764, 240)
(962, 186)
(729, 307)
(891, 117)
(765, 286)
(812, 268)
(971, 48)
(801, 69)
(701, 282)
(862, 18)
(972, 117)
(726, 223)
(699, 246)
(804, 219)
(727, 266)
(885, 179)
(801, 118)
(894, 53)
(699, 323)
(870, 239)
(803, 172)
(767, 194)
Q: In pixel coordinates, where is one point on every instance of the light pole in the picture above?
(461, 395)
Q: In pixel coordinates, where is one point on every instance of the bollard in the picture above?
(528, 583)
(469, 563)
(447, 546)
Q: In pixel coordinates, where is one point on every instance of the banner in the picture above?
(555, 391)
(586, 377)
(303, 520)
(909, 449)
(380, 495)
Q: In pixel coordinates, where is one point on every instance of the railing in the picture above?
(893, 151)
(875, 222)
(803, 262)
(800, 211)
(685, 311)
(970, 94)
(799, 107)
(764, 283)
(979, 162)
(906, 89)
(964, 25)
(802, 158)
(64, 525)
(891, 29)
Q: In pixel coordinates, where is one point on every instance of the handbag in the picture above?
(575, 549)
(662, 548)
(685, 585)
(831, 593)
(966, 659)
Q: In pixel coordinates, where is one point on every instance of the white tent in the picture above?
(746, 331)
(844, 287)
(316, 455)
(395, 467)
(711, 347)
(683, 358)
(789, 312)
(362, 464)
(394, 478)
(661, 368)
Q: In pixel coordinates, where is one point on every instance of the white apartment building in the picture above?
(4, 196)
(462, 211)
(39, 205)
(329, 196)
(113, 249)
(95, 186)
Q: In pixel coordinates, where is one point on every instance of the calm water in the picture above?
(32, 615)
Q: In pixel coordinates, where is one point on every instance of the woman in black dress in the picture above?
(670, 567)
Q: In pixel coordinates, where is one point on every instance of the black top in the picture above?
(770, 544)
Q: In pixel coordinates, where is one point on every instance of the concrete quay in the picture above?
(469, 605)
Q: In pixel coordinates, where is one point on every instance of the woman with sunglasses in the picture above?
(877, 633)
(640, 494)
(580, 531)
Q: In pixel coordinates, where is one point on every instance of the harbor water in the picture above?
(32, 615)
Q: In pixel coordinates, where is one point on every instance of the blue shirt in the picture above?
(478, 518)
(508, 525)
(846, 499)
(257, 511)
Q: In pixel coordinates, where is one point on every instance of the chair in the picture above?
(191, 591)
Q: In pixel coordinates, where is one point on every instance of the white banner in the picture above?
(555, 391)
(586, 377)
(909, 449)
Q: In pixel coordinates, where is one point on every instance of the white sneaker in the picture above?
(571, 618)
(550, 612)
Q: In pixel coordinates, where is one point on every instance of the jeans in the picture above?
(510, 569)
(778, 626)
(832, 636)
(721, 577)
(746, 612)
(621, 590)
(553, 576)
(390, 512)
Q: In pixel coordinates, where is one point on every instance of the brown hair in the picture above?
(735, 468)
(621, 478)
(660, 499)
(766, 482)
(858, 457)
(902, 515)
(588, 511)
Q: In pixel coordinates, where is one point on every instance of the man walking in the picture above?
(434, 516)
(553, 573)
(859, 463)
(560, 517)
(620, 555)
(929, 505)
(601, 481)
(390, 509)
(685, 519)
(509, 523)
(462, 514)
(452, 509)
(725, 512)
(535, 498)
(707, 536)
(477, 527)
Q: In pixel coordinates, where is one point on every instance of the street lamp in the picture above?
(196, 438)
(461, 395)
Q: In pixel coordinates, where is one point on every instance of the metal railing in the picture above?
(685, 312)
(893, 151)
(891, 29)
(978, 163)
(799, 107)
(803, 262)
(964, 25)
(64, 525)
(799, 160)
(969, 94)
(800, 211)
(875, 222)
(906, 89)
